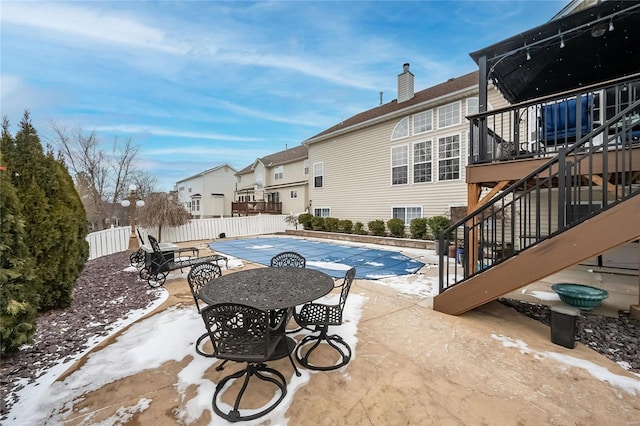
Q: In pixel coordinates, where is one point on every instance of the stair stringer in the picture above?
(613, 227)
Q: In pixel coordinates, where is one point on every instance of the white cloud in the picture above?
(97, 24)
(159, 131)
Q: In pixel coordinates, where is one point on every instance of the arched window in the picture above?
(401, 130)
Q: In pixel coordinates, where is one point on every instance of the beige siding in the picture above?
(293, 179)
(216, 181)
(294, 205)
(261, 179)
(357, 173)
(220, 181)
(294, 172)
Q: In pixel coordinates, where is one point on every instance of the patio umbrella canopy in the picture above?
(594, 45)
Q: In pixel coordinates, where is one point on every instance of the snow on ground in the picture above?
(627, 384)
(144, 346)
(28, 397)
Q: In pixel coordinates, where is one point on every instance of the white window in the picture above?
(278, 172)
(195, 205)
(239, 179)
(422, 122)
(449, 115)
(400, 165)
(318, 175)
(189, 190)
(407, 214)
(449, 158)
(294, 194)
(181, 188)
(401, 130)
(472, 106)
(305, 167)
(322, 212)
(422, 162)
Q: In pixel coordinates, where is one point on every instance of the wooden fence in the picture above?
(114, 240)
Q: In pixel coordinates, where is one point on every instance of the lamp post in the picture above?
(132, 202)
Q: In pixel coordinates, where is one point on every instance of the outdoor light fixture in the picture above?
(561, 42)
(132, 201)
(528, 55)
(611, 25)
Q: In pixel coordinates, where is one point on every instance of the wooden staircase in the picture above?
(604, 231)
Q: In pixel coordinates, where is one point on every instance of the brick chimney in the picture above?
(405, 84)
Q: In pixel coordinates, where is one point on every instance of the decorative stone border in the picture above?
(387, 241)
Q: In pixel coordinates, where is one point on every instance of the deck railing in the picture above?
(543, 126)
(246, 208)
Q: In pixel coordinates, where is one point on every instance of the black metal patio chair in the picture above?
(199, 275)
(161, 263)
(289, 259)
(321, 316)
(243, 333)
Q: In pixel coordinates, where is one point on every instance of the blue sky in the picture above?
(196, 84)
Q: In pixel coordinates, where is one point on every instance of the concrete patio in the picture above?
(411, 365)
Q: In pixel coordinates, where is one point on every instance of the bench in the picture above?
(160, 262)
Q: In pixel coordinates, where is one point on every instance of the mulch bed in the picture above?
(104, 294)
(616, 338)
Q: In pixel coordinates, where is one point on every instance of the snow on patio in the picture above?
(144, 346)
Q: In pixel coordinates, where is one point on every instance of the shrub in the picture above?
(438, 224)
(331, 224)
(345, 226)
(305, 220)
(396, 227)
(358, 228)
(317, 223)
(418, 228)
(376, 227)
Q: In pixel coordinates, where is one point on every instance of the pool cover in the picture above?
(332, 259)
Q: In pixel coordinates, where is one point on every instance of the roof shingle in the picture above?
(442, 89)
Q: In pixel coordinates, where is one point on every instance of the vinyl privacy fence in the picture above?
(114, 240)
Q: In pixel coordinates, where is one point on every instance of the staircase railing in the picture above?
(591, 175)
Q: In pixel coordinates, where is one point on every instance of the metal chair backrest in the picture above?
(239, 332)
(140, 236)
(154, 244)
(346, 286)
(199, 275)
(289, 259)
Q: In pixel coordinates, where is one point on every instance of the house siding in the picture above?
(259, 181)
(293, 179)
(357, 171)
(221, 180)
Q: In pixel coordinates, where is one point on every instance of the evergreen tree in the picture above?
(71, 248)
(55, 226)
(18, 300)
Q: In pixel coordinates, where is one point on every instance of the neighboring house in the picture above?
(209, 193)
(276, 183)
(405, 159)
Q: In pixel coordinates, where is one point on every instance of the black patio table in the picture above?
(268, 288)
